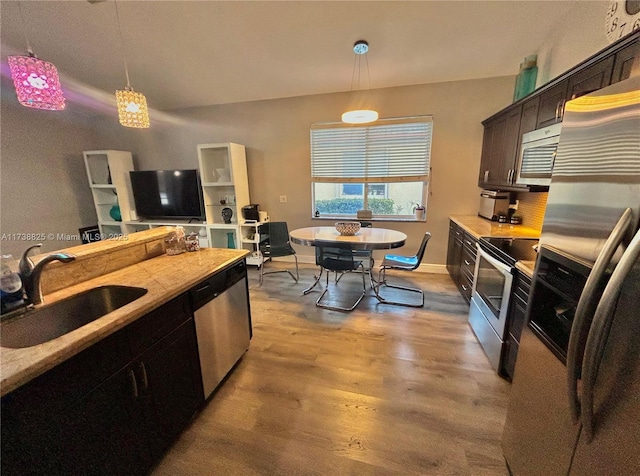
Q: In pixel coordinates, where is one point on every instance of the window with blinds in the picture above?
(382, 167)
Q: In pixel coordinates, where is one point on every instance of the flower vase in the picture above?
(115, 213)
(231, 244)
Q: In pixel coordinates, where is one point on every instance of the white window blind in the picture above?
(388, 151)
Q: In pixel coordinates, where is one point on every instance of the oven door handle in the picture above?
(586, 308)
(499, 265)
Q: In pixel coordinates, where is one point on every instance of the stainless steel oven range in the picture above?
(492, 282)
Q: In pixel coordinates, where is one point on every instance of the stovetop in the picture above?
(510, 250)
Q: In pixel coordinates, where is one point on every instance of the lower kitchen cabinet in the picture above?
(112, 409)
(461, 259)
(515, 323)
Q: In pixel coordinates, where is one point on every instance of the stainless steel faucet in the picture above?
(30, 272)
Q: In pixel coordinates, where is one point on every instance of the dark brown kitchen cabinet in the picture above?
(461, 259)
(454, 251)
(545, 106)
(596, 76)
(551, 103)
(529, 118)
(499, 150)
(624, 62)
(515, 323)
(113, 408)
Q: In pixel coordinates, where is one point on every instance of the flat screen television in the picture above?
(173, 194)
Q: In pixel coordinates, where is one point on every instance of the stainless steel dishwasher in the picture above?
(223, 323)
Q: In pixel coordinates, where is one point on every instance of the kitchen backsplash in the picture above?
(531, 208)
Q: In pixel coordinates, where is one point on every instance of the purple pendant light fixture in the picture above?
(36, 81)
(132, 105)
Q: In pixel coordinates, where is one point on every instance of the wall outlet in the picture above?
(283, 199)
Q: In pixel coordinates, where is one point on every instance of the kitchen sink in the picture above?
(45, 323)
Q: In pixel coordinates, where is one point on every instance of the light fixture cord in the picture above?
(24, 30)
(124, 56)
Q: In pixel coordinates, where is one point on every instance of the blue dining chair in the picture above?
(401, 263)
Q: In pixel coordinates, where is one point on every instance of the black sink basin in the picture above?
(50, 321)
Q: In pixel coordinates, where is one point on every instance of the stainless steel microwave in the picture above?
(537, 155)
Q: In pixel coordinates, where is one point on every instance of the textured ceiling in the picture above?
(192, 53)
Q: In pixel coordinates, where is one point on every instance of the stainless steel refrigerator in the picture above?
(575, 399)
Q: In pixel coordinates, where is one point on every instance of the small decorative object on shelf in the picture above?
(317, 214)
(419, 211)
(348, 228)
(227, 213)
(115, 213)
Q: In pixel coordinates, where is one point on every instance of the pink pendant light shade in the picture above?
(36, 82)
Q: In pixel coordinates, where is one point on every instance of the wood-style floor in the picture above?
(380, 390)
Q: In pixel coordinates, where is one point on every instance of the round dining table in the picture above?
(364, 239)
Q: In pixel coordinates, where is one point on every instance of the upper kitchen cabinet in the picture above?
(624, 62)
(551, 102)
(503, 131)
(499, 150)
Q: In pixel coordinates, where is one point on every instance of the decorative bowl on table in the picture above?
(348, 228)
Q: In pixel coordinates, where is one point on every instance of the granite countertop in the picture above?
(165, 277)
(478, 226)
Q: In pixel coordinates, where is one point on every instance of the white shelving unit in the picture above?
(199, 228)
(251, 241)
(108, 175)
(223, 173)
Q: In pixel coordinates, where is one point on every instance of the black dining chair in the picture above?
(337, 257)
(401, 263)
(275, 245)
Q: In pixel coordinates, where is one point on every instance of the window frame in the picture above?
(385, 155)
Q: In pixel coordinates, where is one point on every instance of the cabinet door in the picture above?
(109, 429)
(511, 146)
(529, 117)
(171, 385)
(590, 79)
(551, 102)
(624, 62)
(492, 152)
(454, 251)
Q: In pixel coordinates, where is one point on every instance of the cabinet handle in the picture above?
(145, 381)
(467, 263)
(486, 175)
(557, 107)
(561, 117)
(464, 287)
(134, 384)
(468, 242)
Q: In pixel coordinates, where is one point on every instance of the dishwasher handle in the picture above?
(215, 285)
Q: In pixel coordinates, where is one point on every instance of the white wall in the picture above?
(578, 35)
(276, 134)
(43, 183)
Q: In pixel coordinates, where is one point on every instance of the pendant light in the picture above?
(360, 116)
(36, 81)
(132, 105)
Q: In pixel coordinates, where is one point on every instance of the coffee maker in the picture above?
(250, 213)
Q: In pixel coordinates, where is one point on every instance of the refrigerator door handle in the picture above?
(586, 308)
(599, 332)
